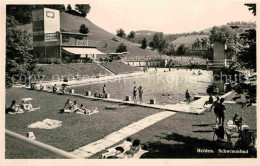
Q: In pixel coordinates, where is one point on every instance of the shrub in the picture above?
(121, 48)
(83, 29)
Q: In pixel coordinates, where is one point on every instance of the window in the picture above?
(50, 14)
(52, 37)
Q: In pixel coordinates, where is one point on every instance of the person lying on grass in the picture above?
(14, 108)
(135, 147)
(113, 152)
(83, 110)
(27, 106)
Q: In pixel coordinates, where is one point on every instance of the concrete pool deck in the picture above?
(194, 107)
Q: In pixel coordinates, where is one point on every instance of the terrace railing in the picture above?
(41, 147)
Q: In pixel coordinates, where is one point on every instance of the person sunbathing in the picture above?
(75, 107)
(14, 108)
(83, 110)
(27, 106)
(135, 147)
(67, 107)
(120, 149)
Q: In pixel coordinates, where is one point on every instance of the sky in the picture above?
(167, 16)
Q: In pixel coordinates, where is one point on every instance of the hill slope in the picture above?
(99, 37)
(188, 40)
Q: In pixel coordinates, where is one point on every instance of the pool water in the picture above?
(165, 87)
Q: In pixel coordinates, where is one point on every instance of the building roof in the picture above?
(75, 50)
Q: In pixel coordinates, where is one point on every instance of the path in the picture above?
(113, 138)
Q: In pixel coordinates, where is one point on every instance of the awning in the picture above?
(82, 50)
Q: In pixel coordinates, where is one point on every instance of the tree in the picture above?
(151, 44)
(121, 48)
(144, 45)
(83, 9)
(20, 63)
(247, 55)
(69, 7)
(83, 29)
(251, 6)
(120, 32)
(222, 34)
(181, 49)
(131, 35)
(23, 13)
(171, 50)
(159, 42)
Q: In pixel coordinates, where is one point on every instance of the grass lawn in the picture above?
(180, 135)
(59, 70)
(76, 130)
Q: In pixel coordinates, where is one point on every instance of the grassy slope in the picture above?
(99, 37)
(72, 69)
(188, 40)
(120, 67)
(76, 130)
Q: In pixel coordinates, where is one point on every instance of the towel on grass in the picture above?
(46, 124)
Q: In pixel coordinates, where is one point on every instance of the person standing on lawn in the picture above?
(140, 90)
(221, 109)
(216, 111)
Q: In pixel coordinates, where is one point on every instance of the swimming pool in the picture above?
(166, 87)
